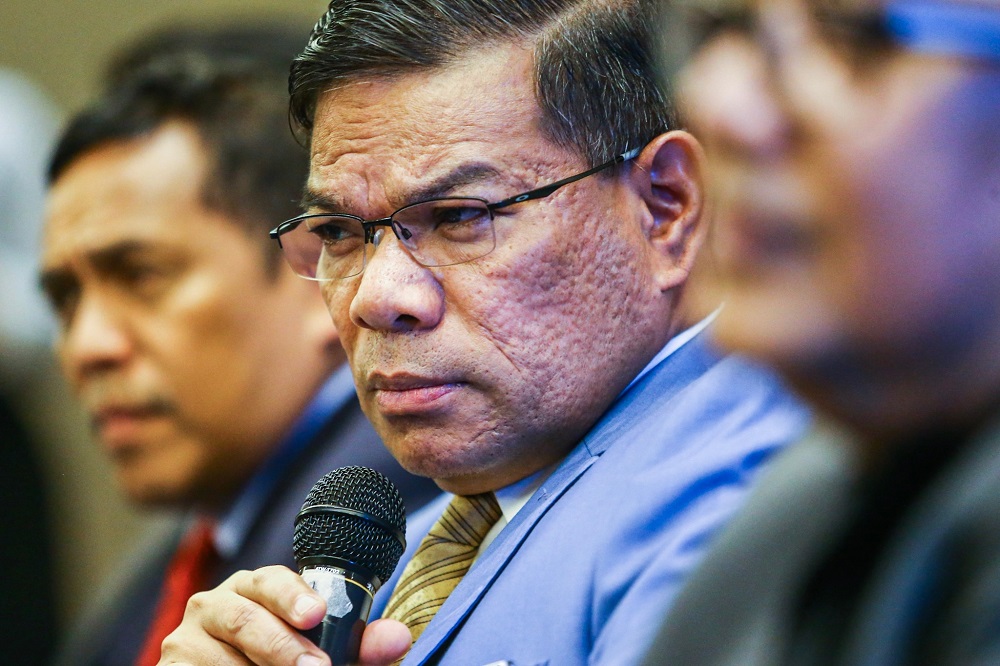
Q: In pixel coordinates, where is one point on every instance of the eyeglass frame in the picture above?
(370, 226)
(923, 26)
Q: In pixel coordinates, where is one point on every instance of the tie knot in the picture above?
(468, 519)
(443, 558)
(198, 544)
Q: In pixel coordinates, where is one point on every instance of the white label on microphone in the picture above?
(330, 584)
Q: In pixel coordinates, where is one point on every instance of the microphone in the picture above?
(348, 539)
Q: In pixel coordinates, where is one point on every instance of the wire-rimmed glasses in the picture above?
(436, 232)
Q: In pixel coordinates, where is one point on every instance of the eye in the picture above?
(63, 294)
(145, 273)
(336, 230)
(135, 274)
(450, 215)
(142, 270)
(461, 221)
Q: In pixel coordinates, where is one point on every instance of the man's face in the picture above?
(857, 205)
(481, 373)
(185, 351)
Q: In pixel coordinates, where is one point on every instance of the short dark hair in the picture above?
(230, 84)
(594, 60)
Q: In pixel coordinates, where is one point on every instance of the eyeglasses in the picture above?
(928, 26)
(435, 232)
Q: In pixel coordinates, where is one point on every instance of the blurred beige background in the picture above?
(63, 45)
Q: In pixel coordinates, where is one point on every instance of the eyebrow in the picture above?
(109, 257)
(466, 174)
(104, 259)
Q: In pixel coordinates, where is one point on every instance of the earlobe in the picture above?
(669, 175)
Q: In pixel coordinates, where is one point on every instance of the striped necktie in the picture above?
(443, 558)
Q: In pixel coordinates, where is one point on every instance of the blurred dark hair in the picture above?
(595, 80)
(230, 84)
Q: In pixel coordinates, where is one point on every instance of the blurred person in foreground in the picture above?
(855, 152)
(214, 377)
(503, 220)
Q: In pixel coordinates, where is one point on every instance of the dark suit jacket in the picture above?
(27, 594)
(930, 594)
(114, 627)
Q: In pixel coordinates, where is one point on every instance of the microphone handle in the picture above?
(348, 603)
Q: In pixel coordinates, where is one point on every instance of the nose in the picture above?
(395, 293)
(95, 340)
(729, 99)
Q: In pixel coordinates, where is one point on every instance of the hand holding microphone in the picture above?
(252, 617)
(349, 537)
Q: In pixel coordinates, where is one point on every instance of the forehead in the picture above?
(378, 140)
(143, 188)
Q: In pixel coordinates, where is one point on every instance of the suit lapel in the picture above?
(492, 562)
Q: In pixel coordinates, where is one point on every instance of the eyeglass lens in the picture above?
(440, 232)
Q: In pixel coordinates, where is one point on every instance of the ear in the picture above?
(669, 178)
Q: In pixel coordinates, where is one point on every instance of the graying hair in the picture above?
(594, 60)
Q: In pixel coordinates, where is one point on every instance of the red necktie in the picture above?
(188, 573)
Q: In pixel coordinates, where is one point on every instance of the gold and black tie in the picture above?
(444, 556)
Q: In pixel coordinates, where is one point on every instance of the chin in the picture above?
(462, 476)
(154, 492)
(424, 464)
(155, 498)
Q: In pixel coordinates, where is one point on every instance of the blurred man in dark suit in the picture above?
(855, 151)
(214, 377)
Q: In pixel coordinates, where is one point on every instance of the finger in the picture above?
(243, 616)
(282, 592)
(383, 642)
(182, 648)
(251, 629)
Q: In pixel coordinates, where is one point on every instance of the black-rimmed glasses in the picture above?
(436, 232)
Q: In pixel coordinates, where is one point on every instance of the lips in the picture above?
(122, 428)
(402, 394)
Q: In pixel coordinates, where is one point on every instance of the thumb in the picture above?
(383, 642)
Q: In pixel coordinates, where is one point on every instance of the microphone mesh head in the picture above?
(353, 539)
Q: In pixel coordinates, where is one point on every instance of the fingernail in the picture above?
(305, 604)
(308, 660)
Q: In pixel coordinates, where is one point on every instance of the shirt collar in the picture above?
(675, 343)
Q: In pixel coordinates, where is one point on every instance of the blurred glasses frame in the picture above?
(965, 30)
(304, 253)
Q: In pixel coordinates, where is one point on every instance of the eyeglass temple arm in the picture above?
(283, 228)
(545, 191)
